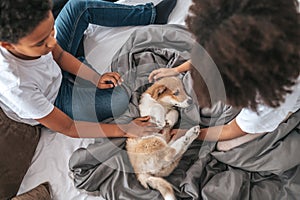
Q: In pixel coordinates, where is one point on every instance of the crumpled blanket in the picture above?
(265, 168)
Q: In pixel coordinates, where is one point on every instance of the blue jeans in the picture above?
(82, 100)
(77, 14)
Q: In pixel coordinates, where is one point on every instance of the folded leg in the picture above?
(172, 117)
(182, 144)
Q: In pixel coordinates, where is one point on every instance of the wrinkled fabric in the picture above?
(265, 168)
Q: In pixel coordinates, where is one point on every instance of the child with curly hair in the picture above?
(256, 48)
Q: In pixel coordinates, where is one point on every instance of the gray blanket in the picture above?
(265, 168)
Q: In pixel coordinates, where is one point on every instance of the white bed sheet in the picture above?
(50, 162)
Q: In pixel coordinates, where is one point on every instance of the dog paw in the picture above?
(160, 123)
(186, 140)
(193, 132)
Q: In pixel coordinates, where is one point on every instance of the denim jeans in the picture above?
(78, 98)
(76, 15)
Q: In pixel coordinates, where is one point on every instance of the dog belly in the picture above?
(153, 167)
(149, 154)
(167, 170)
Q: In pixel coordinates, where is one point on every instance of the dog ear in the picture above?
(158, 91)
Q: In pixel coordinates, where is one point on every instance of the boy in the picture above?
(32, 87)
(255, 47)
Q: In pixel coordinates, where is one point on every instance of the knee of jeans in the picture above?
(75, 4)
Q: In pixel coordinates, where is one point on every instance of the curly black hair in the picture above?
(18, 18)
(254, 44)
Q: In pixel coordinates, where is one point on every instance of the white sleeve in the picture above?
(266, 119)
(28, 102)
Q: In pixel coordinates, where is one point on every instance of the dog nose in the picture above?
(189, 101)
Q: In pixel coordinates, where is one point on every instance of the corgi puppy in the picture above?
(156, 156)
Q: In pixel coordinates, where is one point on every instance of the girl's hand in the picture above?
(109, 80)
(139, 127)
(162, 72)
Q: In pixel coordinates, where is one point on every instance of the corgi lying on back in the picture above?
(159, 101)
(155, 156)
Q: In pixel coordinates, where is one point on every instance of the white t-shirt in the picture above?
(28, 88)
(267, 119)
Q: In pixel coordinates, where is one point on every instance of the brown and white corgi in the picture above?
(156, 156)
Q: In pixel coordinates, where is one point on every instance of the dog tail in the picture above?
(160, 184)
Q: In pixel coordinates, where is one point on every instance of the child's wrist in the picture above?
(176, 70)
(95, 79)
(120, 132)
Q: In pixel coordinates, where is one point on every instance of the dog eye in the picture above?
(176, 93)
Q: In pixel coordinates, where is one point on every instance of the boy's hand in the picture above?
(177, 133)
(139, 127)
(162, 72)
(109, 80)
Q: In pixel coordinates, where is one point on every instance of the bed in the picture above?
(50, 162)
(82, 168)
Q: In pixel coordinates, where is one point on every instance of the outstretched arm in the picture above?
(60, 122)
(164, 72)
(221, 133)
(216, 133)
